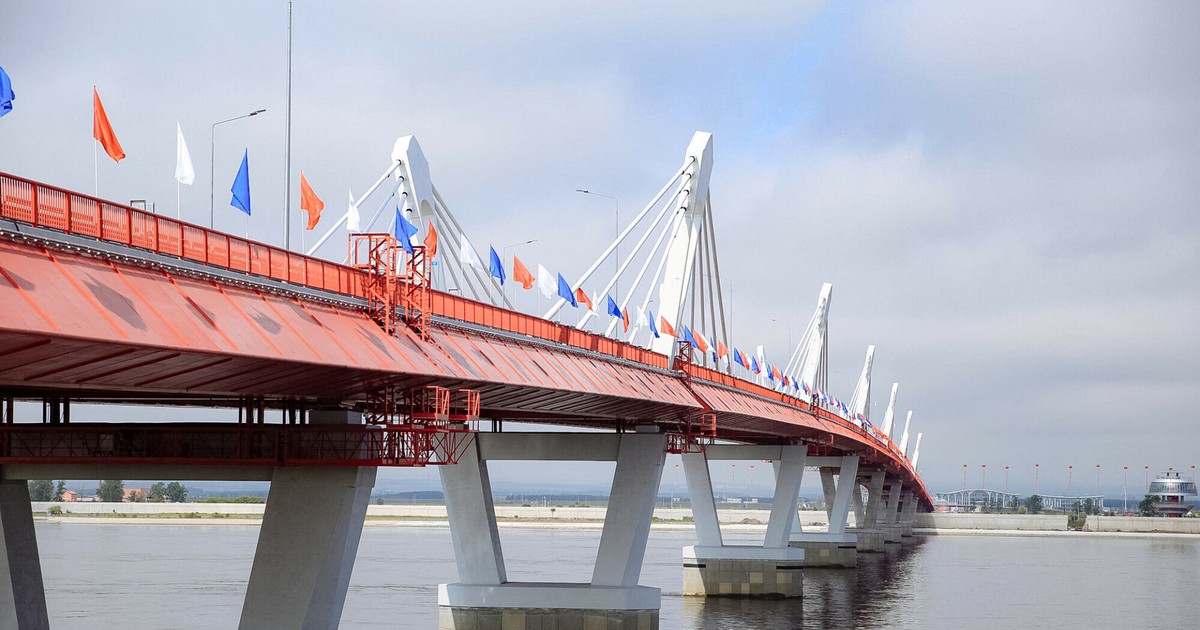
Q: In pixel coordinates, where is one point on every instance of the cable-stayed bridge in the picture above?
(408, 353)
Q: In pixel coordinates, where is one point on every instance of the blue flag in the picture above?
(6, 93)
(688, 337)
(565, 292)
(241, 186)
(737, 358)
(404, 231)
(653, 328)
(754, 365)
(495, 267)
(613, 309)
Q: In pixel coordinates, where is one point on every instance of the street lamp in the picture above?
(1006, 479)
(789, 328)
(984, 467)
(616, 234)
(1036, 469)
(212, 162)
(1126, 473)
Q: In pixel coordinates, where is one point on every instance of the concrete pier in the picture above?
(773, 570)
(484, 599)
(836, 547)
(22, 596)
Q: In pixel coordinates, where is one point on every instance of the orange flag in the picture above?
(625, 319)
(310, 202)
(666, 327)
(721, 350)
(102, 131)
(521, 274)
(582, 297)
(431, 242)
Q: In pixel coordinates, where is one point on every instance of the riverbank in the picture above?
(580, 517)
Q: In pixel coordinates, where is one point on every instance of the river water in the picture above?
(194, 576)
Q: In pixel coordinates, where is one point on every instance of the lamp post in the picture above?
(1070, 473)
(984, 468)
(1036, 469)
(616, 233)
(1006, 479)
(212, 162)
(964, 476)
(1147, 478)
(789, 329)
(1126, 492)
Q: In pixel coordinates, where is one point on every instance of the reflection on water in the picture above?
(873, 595)
(195, 577)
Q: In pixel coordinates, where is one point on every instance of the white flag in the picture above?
(467, 254)
(641, 318)
(184, 172)
(352, 220)
(546, 282)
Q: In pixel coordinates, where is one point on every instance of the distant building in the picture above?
(135, 495)
(1167, 491)
(69, 496)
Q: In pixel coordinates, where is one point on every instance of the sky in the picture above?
(1004, 196)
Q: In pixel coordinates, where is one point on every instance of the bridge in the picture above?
(388, 359)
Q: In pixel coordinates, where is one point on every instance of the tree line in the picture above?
(110, 491)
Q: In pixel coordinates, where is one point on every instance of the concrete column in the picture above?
(892, 507)
(874, 499)
(22, 595)
(472, 515)
(306, 547)
(308, 541)
(484, 599)
(790, 473)
(704, 505)
(771, 570)
(847, 487)
(828, 489)
(835, 547)
(630, 510)
(870, 532)
(860, 510)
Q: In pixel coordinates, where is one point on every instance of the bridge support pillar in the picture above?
(484, 599)
(772, 570)
(888, 522)
(22, 595)
(870, 535)
(835, 547)
(908, 513)
(307, 544)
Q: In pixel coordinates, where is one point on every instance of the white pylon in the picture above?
(808, 360)
(860, 402)
(890, 416)
(904, 436)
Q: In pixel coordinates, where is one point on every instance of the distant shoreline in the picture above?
(592, 525)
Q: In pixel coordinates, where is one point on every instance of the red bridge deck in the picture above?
(107, 302)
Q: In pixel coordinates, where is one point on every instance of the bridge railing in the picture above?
(479, 313)
(83, 215)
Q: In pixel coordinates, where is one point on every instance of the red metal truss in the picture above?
(223, 445)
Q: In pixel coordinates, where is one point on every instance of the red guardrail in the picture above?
(51, 207)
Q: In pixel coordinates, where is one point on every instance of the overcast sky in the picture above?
(1005, 198)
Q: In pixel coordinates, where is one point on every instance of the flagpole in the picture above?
(287, 146)
(96, 166)
(178, 206)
